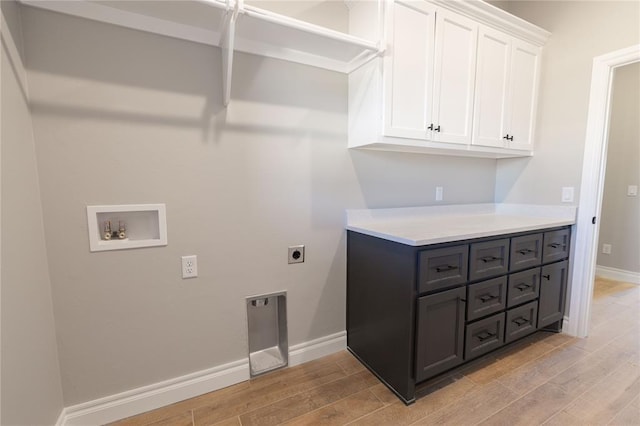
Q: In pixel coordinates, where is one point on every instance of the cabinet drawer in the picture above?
(526, 252)
(523, 287)
(486, 297)
(521, 321)
(488, 259)
(556, 245)
(484, 336)
(443, 268)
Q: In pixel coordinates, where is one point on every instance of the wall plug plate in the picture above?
(189, 266)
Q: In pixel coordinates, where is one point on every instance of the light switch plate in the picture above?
(632, 190)
(567, 194)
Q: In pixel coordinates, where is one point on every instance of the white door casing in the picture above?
(592, 187)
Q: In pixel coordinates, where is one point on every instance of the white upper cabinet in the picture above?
(429, 72)
(523, 91)
(505, 99)
(408, 69)
(494, 54)
(456, 78)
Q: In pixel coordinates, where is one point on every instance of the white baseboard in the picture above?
(618, 274)
(136, 401)
(61, 417)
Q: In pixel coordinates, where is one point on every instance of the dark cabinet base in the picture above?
(414, 313)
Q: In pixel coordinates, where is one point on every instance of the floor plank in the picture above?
(341, 412)
(302, 403)
(478, 405)
(603, 402)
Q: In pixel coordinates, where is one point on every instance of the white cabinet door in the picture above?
(490, 106)
(525, 63)
(408, 69)
(505, 103)
(454, 78)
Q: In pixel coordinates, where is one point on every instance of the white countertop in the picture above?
(417, 226)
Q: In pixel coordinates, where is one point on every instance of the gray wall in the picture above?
(122, 116)
(329, 14)
(31, 389)
(620, 223)
(580, 31)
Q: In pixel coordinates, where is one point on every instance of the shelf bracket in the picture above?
(363, 59)
(227, 38)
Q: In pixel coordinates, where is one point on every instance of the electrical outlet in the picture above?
(296, 254)
(606, 248)
(567, 194)
(189, 266)
(439, 190)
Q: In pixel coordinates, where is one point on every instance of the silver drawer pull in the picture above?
(446, 268)
(554, 245)
(523, 286)
(525, 251)
(488, 259)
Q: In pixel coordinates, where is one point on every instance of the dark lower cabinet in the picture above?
(523, 287)
(439, 348)
(556, 245)
(486, 298)
(484, 336)
(521, 321)
(526, 251)
(416, 312)
(443, 268)
(553, 288)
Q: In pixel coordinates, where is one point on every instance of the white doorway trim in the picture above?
(592, 186)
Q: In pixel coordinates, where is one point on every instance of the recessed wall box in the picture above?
(268, 341)
(146, 226)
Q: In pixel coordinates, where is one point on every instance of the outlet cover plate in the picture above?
(189, 266)
(567, 194)
(296, 254)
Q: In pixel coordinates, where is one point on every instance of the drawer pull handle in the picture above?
(520, 321)
(486, 297)
(485, 335)
(523, 286)
(446, 268)
(525, 251)
(547, 277)
(488, 259)
(554, 245)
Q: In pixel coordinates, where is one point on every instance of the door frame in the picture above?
(593, 174)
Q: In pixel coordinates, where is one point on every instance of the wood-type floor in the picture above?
(546, 378)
